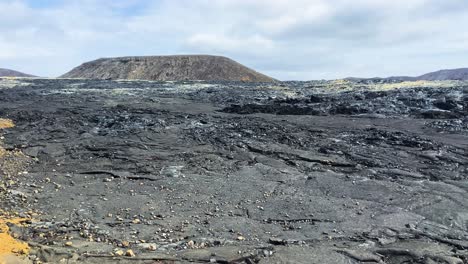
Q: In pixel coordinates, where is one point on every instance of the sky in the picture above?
(286, 39)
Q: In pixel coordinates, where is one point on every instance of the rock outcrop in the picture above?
(168, 68)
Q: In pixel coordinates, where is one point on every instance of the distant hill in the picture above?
(442, 75)
(455, 74)
(168, 68)
(393, 78)
(12, 73)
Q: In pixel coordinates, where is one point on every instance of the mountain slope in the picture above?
(442, 75)
(12, 73)
(453, 74)
(168, 68)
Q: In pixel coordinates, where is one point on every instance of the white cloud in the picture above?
(303, 39)
(252, 45)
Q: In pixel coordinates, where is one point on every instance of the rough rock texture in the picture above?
(186, 172)
(168, 68)
(12, 73)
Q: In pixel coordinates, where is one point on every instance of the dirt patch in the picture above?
(8, 244)
(6, 123)
(12, 163)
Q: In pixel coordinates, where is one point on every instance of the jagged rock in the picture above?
(336, 188)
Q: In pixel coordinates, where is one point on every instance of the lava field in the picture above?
(229, 172)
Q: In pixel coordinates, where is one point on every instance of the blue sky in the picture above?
(287, 39)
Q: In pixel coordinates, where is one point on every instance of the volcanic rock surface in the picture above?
(231, 172)
(12, 73)
(168, 68)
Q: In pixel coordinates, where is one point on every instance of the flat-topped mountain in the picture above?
(12, 73)
(168, 68)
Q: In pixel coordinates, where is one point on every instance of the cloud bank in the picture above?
(287, 39)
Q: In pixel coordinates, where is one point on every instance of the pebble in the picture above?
(172, 171)
(125, 243)
(130, 253)
(119, 253)
(191, 244)
(152, 247)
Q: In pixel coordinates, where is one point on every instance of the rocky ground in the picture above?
(299, 172)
